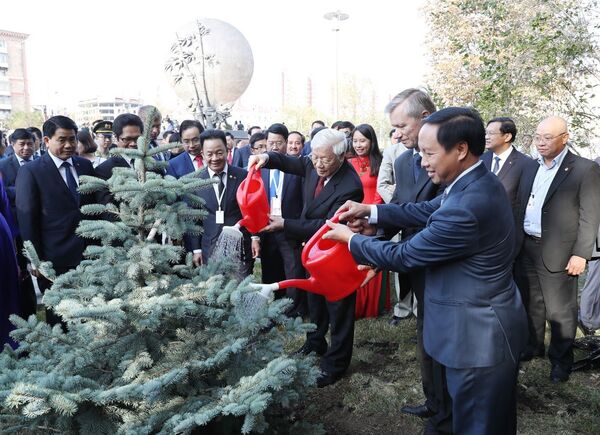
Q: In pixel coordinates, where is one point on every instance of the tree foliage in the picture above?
(526, 59)
(152, 344)
(24, 120)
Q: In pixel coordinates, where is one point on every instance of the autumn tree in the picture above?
(526, 59)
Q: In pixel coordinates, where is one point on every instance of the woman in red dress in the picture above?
(374, 298)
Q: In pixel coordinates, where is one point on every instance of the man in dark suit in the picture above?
(221, 203)
(241, 155)
(280, 255)
(191, 159)
(407, 111)
(559, 211)
(503, 159)
(144, 113)
(48, 202)
(23, 146)
(475, 323)
(127, 128)
(329, 181)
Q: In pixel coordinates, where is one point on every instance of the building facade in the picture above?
(14, 89)
(107, 109)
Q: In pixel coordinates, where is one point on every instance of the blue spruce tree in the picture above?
(153, 345)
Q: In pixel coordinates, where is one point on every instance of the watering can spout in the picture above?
(305, 284)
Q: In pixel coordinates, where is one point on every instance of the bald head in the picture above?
(551, 136)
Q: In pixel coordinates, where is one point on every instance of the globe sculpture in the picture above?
(210, 66)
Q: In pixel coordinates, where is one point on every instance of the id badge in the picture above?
(276, 206)
(220, 217)
(531, 202)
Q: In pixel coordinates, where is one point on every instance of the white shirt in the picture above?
(211, 174)
(503, 156)
(22, 160)
(63, 173)
(194, 162)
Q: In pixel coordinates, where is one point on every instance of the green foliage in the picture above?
(24, 120)
(526, 59)
(153, 344)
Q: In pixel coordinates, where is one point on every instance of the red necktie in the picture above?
(229, 157)
(320, 186)
(198, 160)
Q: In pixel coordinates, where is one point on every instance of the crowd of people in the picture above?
(483, 243)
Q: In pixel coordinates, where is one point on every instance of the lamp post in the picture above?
(336, 17)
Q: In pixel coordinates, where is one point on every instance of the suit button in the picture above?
(303, 243)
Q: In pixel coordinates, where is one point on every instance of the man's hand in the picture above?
(362, 226)
(197, 259)
(370, 273)
(258, 160)
(576, 265)
(339, 232)
(275, 224)
(352, 211)
(255, 248)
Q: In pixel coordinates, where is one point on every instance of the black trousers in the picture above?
(340, 315)
(280, 259)
(548, 296)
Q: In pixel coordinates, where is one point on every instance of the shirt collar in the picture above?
(462, 174)
(58, 162)
(212, 173)
(556, 161)
(504, 154)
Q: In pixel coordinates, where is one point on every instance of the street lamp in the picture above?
(336, 17)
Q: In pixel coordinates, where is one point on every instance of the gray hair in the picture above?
(330, 138)
(418, 101)
(145, 111)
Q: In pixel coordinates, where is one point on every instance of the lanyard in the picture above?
(279, 185)
(216, 189)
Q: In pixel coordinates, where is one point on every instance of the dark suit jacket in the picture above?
(47, 212)
(212, 230)
(343, 186)
(472, 304)
(570, 213)
(241, 156)
(180, 165)
(104, 170)
(512, 171)
(9, 168)
(291, 194)
(407, 190)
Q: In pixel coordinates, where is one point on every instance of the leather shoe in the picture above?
(558, 374)
(306, 349)
(586, 331)
(395, 320)
(421, 411)
(326, 378)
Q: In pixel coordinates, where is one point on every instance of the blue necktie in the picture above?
(496, 167)
(416, 166)
(71, 183)
(274, 183)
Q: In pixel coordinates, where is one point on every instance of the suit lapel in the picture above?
(506, 167)
(15, 164)
(54, 174)
(486, 158)
(189, 166)
(230, 190)
(563, 172)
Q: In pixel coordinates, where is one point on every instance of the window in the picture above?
(4, 86)
(3, 72)
(4, 99)
(3, 58)
(2, 43)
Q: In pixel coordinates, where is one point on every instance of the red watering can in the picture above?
(253, 202)
(333, 271)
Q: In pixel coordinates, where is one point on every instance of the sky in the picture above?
(79, 50)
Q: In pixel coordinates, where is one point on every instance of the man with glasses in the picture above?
(127, 128)
(503, 159)
(328, 182)
(280, 254)
(559, 213)
(190, 160)
(258, 143)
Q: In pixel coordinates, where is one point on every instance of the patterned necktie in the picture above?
(229, 156)
(221, 184)
(320, 186)
(496, 167)
(416, 166)
(71, 183)
(198, 160)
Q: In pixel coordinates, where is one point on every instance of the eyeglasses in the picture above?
(275, 143)
(128, 140)
(259, 147)
(547, 138)
(192, 141)
(326, 161)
